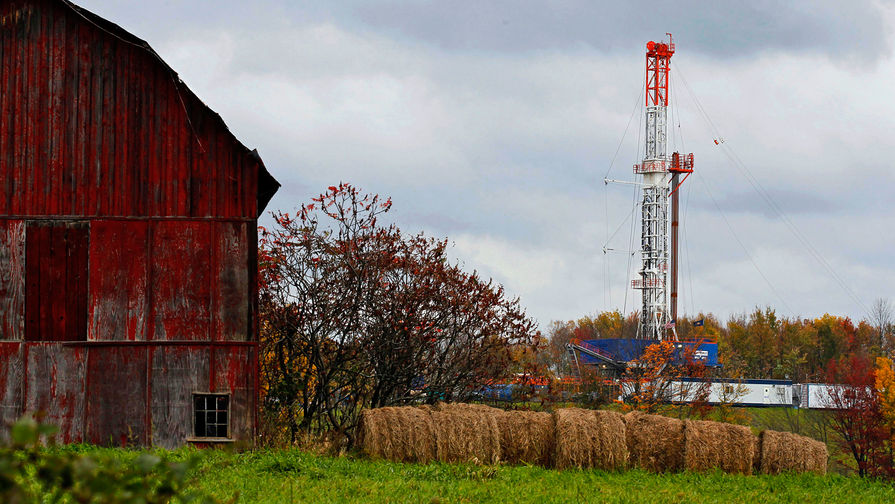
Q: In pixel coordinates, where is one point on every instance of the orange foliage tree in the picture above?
(661, 375)
(885, 388)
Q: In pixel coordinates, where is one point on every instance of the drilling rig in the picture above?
(659, 262)
(661, 179)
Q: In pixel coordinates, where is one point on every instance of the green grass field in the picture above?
(284, 476)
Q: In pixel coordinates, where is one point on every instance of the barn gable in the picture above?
(128, 239)
(94, 123)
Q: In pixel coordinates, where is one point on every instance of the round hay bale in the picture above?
(466, 433)
(404, 434)
(817, 458)
(479, 408)
(655, 443)
(526, 437)
(788, 452)
(711, 445)
(589, 439)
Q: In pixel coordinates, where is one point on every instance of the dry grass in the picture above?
(526, 437)
(655, 443)
(404, 434)
(466, 433)
(788, 452)
(710, 445)
(587, 438)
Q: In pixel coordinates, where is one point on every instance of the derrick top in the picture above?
(658, 58)
(660, 49)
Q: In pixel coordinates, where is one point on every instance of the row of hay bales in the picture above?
(574, 437)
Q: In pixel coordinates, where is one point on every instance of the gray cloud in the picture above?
(787, 201)
(498, 135)
(719, 29)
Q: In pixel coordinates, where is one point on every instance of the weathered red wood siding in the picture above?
(92, 123)
(172, 407)
(233, 282)
(181, 295)
(128, 236)
(12, 280)
(11, 381)
(56, 281)
(229, 375)
(119, 280)
(55, 377)
(119, 417)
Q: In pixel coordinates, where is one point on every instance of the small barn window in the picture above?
(212, 415)
(728, 389)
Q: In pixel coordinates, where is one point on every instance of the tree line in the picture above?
(760, 344)
(854, 358)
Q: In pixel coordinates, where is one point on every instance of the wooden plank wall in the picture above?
(94, 125)
(117, 384)
(56, 386)
(127, 236)
(231, 301)
(125, 394)
(12, 280)
(172, 407)
(11, 374)
(181, 278)
(119, 280)
(229, 376)
(56, 280)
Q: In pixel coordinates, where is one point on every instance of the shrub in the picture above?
(29, 472)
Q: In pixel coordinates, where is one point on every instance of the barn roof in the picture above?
(267, 184)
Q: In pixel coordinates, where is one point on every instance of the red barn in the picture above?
(128, 247)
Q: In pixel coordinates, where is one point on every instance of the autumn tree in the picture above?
(885, 389)
(856, 412)
(662, 374)
(882, 316)
(354, 314)
(316, 272)
(554, 355)
(432, 321)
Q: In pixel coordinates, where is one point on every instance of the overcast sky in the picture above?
(495, 123)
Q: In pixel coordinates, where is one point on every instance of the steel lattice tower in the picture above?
(660, 179)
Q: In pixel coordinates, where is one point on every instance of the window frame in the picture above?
(194, 435)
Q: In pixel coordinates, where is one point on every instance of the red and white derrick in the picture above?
(660, 180)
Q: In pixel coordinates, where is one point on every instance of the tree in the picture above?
(356, 314)
(882, 317)
(857, 416)
(554, 356)
(885, 389)
(314, 283)
(661, 375)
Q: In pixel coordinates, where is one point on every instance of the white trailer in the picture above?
(814, 395)
(760, 393)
